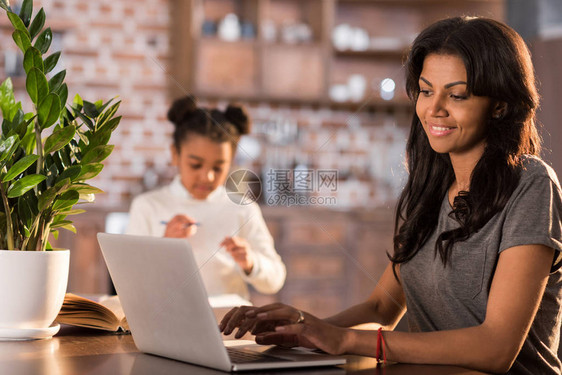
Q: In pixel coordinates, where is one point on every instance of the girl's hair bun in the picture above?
(239, 118)
(182, 109)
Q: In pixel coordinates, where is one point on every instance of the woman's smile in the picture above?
(440, 130)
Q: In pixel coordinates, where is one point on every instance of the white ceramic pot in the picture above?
(32, 288)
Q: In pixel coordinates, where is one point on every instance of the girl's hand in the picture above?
(279, 324)
(181, 226)
(240, 251)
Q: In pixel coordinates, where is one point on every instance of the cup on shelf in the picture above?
(339, 93)
(269, 31)
(229, 28)
(359, 39)
(357, 84)
(341, 36)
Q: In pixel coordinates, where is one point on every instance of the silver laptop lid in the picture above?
(158, 283)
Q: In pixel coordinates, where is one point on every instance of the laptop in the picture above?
(167, 308)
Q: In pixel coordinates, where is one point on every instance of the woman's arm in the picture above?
(385, 306)
(516, 291)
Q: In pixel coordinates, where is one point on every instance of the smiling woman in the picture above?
(454, 121)
(231, 242)
(478, 232)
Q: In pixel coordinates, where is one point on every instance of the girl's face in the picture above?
(203, 164)
(454, 121)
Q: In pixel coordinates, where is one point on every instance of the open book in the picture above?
(107, 314)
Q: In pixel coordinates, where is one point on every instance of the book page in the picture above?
(80, 311)
(113, 304)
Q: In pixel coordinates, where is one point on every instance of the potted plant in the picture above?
(46, 155)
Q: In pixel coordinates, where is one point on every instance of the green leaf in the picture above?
(18, 23)
(90, 171)
(25, 12)
(104, 117)
(99, 138)
(57, 80)
(24, 210)
(51, 61)
(68, 227)
(60, 223)
(86, 189)
(36, 85)
(19, 167)
(5, 6)
(111, 125)
(59, 139)
(71, 173)
(55, 159)
(62, 185)
(52, 172)
(7, 99)
(37, 24)
(78, 102)
(15, 110)
(7, 147)
(62, 92)
(32, 59)
(86, 120)
(48, 111)
(73, 212)
(28, 143)
(64, 154)
(22, 40)
(90, 109)
(24, 184)
(97, 154)
(23, 126)
(44, 40)
(66, 200)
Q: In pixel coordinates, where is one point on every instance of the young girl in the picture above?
(478, 226)
(231, 242)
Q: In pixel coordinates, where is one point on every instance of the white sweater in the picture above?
(219, 218)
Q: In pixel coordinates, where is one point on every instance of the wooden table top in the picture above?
(83, 351)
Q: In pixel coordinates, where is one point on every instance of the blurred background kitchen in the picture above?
(323, 81)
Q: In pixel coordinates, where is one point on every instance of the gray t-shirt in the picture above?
(442, 298)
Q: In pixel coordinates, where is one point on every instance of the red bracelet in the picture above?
(383, 347)
(378, 356)
(381, 343)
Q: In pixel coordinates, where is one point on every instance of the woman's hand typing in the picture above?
(279, 324)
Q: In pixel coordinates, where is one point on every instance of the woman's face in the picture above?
(203, 164)
(454, 121)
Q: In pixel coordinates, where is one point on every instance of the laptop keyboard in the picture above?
(243, 356)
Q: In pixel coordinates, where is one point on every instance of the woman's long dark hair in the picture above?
(498, 65)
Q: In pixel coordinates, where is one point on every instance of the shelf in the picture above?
(373, 53)
(218, 41)
(371, 105)
(276, 73)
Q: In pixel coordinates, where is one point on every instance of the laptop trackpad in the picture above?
(294, 354)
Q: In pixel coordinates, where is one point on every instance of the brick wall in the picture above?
(122, 48)
(117, 48)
